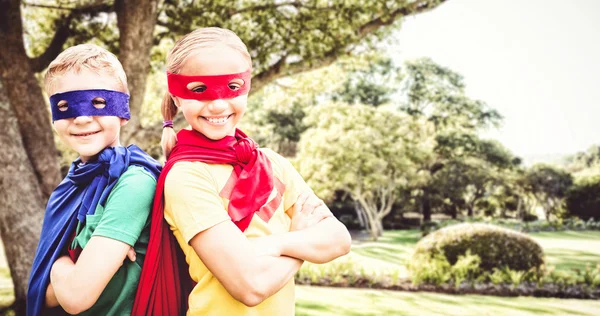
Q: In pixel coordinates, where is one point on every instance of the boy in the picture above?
(99, 214)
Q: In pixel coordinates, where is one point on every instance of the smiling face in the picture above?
(87, 135)
(218, 118)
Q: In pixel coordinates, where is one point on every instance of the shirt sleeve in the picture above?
(192, 201)
(128, 207)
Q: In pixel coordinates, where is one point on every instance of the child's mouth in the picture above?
(218, 120)
(85, 134)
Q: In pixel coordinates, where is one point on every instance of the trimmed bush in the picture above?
(497, 247)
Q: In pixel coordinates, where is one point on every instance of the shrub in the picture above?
(572, 223)
(583, 199)
(438, 270)
(497, 247)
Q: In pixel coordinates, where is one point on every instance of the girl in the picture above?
(244, 218)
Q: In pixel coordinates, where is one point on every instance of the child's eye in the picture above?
(234, 86)
(197, 87)
(99, 103)
(62, 105)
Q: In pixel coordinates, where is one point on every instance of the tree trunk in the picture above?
(21, 203)
(426, 207)
(136, 20)
(360, 215)
(470, 210)
(379, 224)
(374, 230)
(453, 211)
(370, 213)
(26, 99)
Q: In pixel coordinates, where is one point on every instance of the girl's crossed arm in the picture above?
(249, 274)
(319, 243)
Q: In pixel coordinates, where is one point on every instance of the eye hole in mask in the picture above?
(99, 103)
(199, 87)
(62, 105)
(235, 84)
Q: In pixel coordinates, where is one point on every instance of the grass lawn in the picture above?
(570, 249)
(565, 250)
(391, 254)
(333, 301)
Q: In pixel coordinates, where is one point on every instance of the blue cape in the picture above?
(85, 186)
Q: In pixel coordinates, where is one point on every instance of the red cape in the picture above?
(165, 283)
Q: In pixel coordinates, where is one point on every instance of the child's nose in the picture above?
(82, 119)
(217, 106)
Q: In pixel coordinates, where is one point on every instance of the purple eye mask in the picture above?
(79, 103)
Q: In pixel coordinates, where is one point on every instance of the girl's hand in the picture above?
(308, 211)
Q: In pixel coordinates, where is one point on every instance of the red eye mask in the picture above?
(217, 87)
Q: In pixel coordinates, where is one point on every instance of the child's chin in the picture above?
(86, 154)
(216, 136)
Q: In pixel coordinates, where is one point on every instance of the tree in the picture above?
(366, 152)
(20, 215)
(437, 94)
(584, 164)
(583, 199)
(466, 181)
(371, 84)
(549, 185)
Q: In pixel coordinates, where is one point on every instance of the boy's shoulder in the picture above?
(136, 175)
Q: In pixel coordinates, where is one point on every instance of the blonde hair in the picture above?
(86, 56)
(185, 47)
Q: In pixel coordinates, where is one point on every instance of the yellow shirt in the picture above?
(196, 199)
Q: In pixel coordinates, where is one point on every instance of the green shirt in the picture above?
(125, 217)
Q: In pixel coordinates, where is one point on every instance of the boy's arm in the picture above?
(52, 301)
(77, 286)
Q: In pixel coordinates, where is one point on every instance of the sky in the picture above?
(535, 61)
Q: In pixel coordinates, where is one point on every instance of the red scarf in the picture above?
(163, 288)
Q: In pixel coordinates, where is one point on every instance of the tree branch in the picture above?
(60, 37)
(63, 32)
(411, 9)
(85, 8)
(264, 7)
(280, 70)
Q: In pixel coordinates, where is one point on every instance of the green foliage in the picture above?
(569, 224)
(284, 32)
(584, 164)
(366, 152)
(438, 93)
(437, 270)
(360, 149)
(371, 85)
(466, 268)
(506, 275)
(549, 185)
(583, 199)
(496, 247)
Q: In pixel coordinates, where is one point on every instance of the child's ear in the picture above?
(124, 122)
